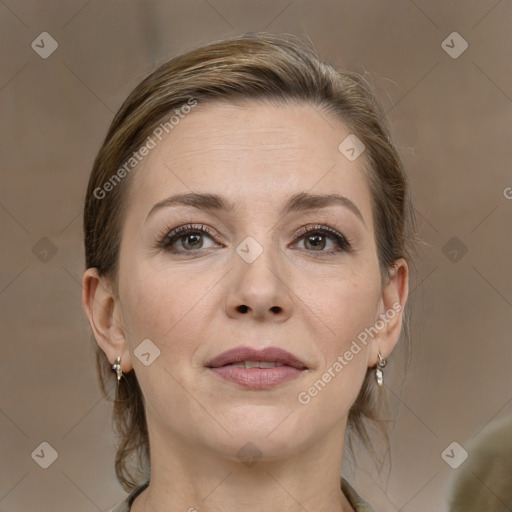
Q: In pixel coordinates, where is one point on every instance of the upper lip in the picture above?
(268, 354)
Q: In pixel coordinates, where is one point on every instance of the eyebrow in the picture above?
(302, 201)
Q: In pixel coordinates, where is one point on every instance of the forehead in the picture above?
(251, 153)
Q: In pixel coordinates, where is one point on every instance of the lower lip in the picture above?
(257, 378)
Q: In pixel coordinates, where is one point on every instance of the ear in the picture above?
(103, 310)
(394, 296)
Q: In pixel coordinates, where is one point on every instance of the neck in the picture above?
(189, 477)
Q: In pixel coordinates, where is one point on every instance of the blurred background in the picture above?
(442, 71)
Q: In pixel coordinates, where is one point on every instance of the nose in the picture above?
(260, 289)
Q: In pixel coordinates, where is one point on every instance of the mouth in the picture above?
(257, 369)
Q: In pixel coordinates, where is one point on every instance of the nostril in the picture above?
(243, 308)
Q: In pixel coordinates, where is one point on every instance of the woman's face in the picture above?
(261, 276)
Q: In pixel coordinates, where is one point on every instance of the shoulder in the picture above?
(487, 468)
(358, 503)
(125, 505)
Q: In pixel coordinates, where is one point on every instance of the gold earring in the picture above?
(379, 375)
(117, 367)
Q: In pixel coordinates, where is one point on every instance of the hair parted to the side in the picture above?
(266, 67)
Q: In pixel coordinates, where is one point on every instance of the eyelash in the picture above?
(168, 237)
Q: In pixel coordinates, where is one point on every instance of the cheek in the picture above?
(159, 310)
(154, 307)
(356, 305)
(172, 310)
(346, 306)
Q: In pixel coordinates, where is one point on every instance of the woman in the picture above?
(247, 228)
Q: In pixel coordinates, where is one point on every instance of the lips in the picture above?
(257, 369)
(268, 354)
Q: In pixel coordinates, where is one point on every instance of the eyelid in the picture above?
(339, 238)
(343, 243)
(168, 233)
(315, 227)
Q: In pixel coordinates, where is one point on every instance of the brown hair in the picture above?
(266, 67)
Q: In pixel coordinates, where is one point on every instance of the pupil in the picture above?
(188, 237)
(318, 240)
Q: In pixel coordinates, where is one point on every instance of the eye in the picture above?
(316, 237)
(190, 237)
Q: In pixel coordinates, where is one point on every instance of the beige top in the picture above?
(358, 504)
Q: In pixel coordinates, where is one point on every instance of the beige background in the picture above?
(451, 119)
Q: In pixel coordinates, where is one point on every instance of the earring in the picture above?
(117, 367)
(379, 376)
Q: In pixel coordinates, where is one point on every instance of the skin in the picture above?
(188, 305)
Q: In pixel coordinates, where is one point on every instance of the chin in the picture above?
(271, 436)
(259, 448)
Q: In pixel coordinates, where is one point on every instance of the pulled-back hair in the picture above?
(271, 68)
